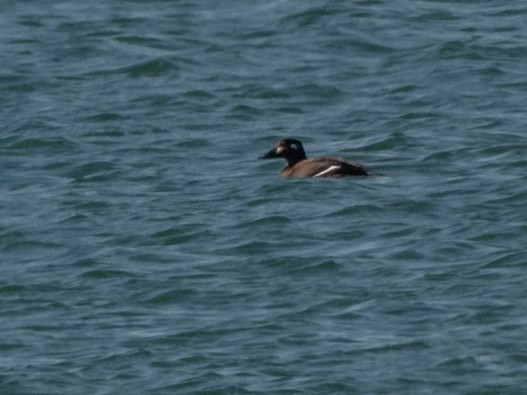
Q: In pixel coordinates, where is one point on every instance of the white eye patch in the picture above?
(279, 150)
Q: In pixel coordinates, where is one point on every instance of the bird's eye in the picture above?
(293, 146)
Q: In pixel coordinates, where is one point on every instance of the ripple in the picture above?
(151, 68)
(401, 346)
(93, 171)
(310, 16)
(199, 94)
(178, 234)
(507, 259)
(43, 144)
(170, 297)
(349, 211)
(277, 219)
(101, 274)
(106, 117)
(140, 41)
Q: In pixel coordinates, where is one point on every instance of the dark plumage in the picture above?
(299, 166)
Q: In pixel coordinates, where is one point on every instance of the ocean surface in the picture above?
(145, 249)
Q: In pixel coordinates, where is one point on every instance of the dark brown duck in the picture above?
(298, 165)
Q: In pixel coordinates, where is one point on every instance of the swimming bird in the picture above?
(298, 165)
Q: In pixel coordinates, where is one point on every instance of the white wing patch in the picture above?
(328, 170)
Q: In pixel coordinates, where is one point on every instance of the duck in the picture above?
(299, 166)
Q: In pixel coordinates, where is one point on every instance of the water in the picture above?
(145, 249)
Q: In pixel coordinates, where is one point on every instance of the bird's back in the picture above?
(324, 167)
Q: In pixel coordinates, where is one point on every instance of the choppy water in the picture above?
(145, 249)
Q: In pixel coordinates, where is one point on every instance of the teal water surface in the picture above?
(145, 249)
